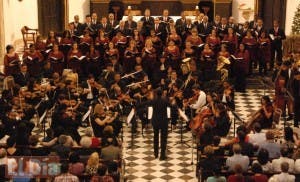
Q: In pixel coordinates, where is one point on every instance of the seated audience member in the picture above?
(216, 177)
(257, 137)
(63, 149)
(210, 162)
(258, 176)
(216, 145)
(276, 163)
(102, 175)
(113, 171)
(92, 164)
(75, 167)
(238, 174)
(89, 133)
(111, 152)
(270, 145)
(65, 175)
(284, 176)
(263, 160)
(290, 139)
(237, 158)
(247, 148)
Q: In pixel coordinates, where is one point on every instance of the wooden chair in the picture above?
(29, 36)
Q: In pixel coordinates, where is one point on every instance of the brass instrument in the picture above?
(222, 62)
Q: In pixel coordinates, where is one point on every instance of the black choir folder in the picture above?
(237, 59)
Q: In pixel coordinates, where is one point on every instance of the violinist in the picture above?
(56, 59)
(107, 75)
(199, 98)
(90, 89)
(11, 61)
(173, 80)
(227, 95)
(176, 102)
(34, 60)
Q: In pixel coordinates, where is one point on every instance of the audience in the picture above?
(263, 161)
(276, 163)
(270, 145)
(258, 137)
(65, 175)
(76, 168)
(238, 174)
(92, 164)
(258, 176)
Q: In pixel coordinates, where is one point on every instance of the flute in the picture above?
(130, 74)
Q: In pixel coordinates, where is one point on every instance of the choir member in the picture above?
(85, 42)
(120, 42)
(243, 30)
(101, 42)
(95, 25)
(34, 61)
(204, 28)
(66, 42)
(124, 31)
(181, 21)
(165, 18)
(156, 41)
(105, 26)
(130, 23)
(198, 19)
(175, 37)
(148, 22)
(11, 61)
(111, 52)
(160, 29)
(259, 27)
(40, 45)
(141, 29)
(56, 59)
(217, 21)
(88, 24)
(149, 57)
(188, 52)
(241, 68)
(194, 38)
(75, 59)
(130, 56)
(277, 35)
(213, 41)
(223, 52)
(231, 40)
(138, 38)
(94, 64)
(51, 40)
(222, 28)
(189, 26)
(78, 27)
(208, 63)
(231, 23)
(251, 45)
(112, 21)
(173, 55)
(264, 52)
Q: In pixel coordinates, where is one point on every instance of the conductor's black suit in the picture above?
(160, 124)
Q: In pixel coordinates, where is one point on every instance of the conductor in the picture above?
(160, 123)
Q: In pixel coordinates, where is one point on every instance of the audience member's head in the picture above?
(257, 127)
(236, 148)
(209, 151)
(64, 168)
(256, 168)
(74, 157)
(284, 167)
(2, 153)
(93, 159)
(86, 142)
(263, 156)
(269, 135)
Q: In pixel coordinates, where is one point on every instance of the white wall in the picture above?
(78, 7)
(291, 8)
(237, 13)
(17, 14)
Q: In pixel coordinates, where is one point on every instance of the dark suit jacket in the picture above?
(147, 24)
(162, 18)
(161, 31)
(203, 30)
(22, 79)
(277, 42)
(107, 28)
(114, 23)
(78, 29)
(180, 22)
(133, 25)
(159, 117)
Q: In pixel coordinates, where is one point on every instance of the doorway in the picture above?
(52, 15)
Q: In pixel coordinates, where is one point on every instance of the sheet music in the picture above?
(272, 36)
(150, 112)
(130, 116)
(86, 115)
(183, 115)
(169, 112)
(43, 116)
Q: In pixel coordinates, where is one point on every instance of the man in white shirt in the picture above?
(257, 138)
(276, 163)
(237, 158)
(201, 100)
(284, 176)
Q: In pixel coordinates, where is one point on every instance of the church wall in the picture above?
(78, 7)
(290, 12)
